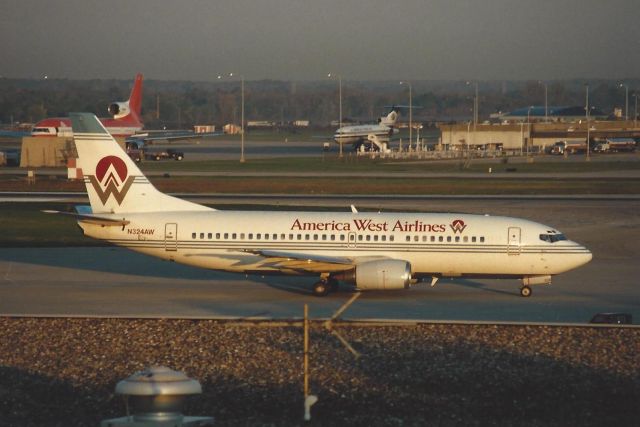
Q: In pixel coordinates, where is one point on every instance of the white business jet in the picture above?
(373, 251)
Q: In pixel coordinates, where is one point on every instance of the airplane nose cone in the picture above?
(583, 257)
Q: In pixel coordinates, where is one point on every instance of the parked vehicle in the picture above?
(569, 147)
(616, 145)
(164, 154)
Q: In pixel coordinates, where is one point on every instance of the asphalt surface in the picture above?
(118, 282)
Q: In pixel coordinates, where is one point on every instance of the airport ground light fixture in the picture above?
(156, 396)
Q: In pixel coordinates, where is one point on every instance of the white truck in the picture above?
(569, 147)
(616, 145)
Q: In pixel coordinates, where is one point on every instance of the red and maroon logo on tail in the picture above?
(111, 179)
(458, 226)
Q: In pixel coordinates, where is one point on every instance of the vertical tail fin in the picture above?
(390, 119)
(129, 111)
(135, 98)
(114, 182)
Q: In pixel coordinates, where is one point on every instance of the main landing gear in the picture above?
(324, 286)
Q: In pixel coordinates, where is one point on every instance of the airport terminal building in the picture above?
(533, 129)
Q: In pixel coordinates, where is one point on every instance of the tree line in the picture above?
(180, 104)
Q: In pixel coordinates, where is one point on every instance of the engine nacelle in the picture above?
(379, 275)
(119, 109)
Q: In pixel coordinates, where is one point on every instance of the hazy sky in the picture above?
(303, 40)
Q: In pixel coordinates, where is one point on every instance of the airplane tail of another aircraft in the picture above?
(135, 98)
(390, 119)
(114, 182)
(129, 112)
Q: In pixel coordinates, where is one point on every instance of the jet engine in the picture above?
(119, 109)
(379, 275)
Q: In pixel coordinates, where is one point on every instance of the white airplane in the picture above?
(373, 251)
(375, 135)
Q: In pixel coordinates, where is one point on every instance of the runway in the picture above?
(116, 282)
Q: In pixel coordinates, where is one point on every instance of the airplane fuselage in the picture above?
(355, 134)
(439, 245)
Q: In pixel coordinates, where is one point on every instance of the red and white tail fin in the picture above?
(114, 182)
(129, 111)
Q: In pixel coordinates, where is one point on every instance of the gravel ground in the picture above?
(63, 372)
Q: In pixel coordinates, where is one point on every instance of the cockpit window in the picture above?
(553, 237)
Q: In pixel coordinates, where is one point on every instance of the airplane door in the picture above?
(513, 246)
(171, 237)
(352, 240)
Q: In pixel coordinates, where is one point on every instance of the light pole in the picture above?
(475, 111)
(626, 100)
(635, 112)
(410, 113)
(587, 117)
(546, 105)
(529, 128)
(242, 159)
(339, 108)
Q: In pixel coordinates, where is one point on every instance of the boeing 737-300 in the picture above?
(373, 251)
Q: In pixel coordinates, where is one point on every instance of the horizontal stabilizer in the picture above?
(92, 219)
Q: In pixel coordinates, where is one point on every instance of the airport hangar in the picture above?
(532, 130)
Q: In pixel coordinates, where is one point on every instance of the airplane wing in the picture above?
(309, 263)
(304, 262)
(150, 137)
(92, 219)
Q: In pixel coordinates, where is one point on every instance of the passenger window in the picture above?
(275, 236)
(241, 236)
(333, 237)
(416, 238)
(466, 239)
(440, 239)
(250, 236)
(368, 238)
(202, 235)
(473, 239)
(226, 235)
(375, 238)
(299, 236)
(457, 239)
(266, 236)
(383, 238)
(233, 236)
(408, 238)
(481, 239)
(283, 236)
(315, 237)
(290, 236)
(391, 238)
(209, 236)
(342, 237)
(193, 235)
(324, 237)
(433, 238)
(306, 237)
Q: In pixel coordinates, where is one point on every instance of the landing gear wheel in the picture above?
(525, 291)
(321, 288)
